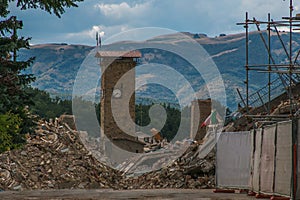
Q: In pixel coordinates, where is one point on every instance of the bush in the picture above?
(10, 136)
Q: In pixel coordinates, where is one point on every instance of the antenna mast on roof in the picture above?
(98, 39)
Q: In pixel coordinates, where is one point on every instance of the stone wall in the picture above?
(200, 110)
(119, 74)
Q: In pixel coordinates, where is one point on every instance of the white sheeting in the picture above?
(209, 142)
(268, 159)
(283, 161)
(257, 154)
(233, 160)
(298, 156)
(252, 132)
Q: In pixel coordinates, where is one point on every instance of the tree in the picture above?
(47, 107)
(14, 96)
(10, 131)
(50, 6)
(171, 126)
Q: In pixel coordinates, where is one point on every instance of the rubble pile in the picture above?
(283, 108)
(188, 171)
(241, 124)
(54, 158)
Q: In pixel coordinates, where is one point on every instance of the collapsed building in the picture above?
(56, 158)
(258, 151)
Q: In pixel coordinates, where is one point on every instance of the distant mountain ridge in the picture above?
(56, 65)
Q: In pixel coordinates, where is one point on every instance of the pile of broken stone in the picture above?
(187, 172)
(55, 158)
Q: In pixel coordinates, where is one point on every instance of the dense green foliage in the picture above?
(10, 136)
(13, 97)
(175, 118)
(16, 121)
(47, 107)
(56, 7)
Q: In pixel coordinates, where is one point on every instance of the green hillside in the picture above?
(56, 65)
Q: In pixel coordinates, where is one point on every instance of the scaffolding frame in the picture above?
(288, 73)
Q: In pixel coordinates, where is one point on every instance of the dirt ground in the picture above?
(120, 194)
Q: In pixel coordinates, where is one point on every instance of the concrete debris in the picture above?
(157, 135)
(161, 155)
(68, 119)
(188, 171)
(155, 145)
(241, 124)
(55, 158)
(284, 108)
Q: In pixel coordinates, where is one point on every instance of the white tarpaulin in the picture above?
(267, 159)
(298, 158)
(283, 161)
(209, 142)
(252, 132)
(256, 165)
(233, 160)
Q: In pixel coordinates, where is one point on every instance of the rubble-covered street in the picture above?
(179, 194)
(55, 158)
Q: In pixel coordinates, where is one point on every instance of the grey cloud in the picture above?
(210, 17)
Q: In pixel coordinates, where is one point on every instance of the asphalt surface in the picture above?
(120, 194)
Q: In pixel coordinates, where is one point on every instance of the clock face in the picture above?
(117, 93)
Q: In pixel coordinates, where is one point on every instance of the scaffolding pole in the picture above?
(247, 62)
(269, 63)
(289, 77)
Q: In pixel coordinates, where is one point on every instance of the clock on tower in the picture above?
(117, 93)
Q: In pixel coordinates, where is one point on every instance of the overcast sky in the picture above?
(78, 25)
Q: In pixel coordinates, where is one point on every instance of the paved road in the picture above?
(120, 194)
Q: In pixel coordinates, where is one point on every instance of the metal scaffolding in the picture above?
(288, 73)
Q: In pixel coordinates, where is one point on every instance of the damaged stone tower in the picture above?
(117, 89)
(200, 110)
